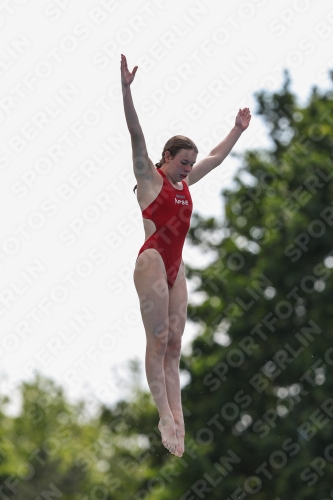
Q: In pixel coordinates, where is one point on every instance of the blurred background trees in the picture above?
(258, 403)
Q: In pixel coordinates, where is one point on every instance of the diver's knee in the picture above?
(173, 348)
(159, 341)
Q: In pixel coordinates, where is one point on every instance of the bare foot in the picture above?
(180, 434)
(167, 429)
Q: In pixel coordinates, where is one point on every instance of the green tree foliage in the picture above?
(261, 383)
(55, 449)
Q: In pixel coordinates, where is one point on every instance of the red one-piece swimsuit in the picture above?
(171, 213)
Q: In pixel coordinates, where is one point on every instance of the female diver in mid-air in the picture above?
(159, 277)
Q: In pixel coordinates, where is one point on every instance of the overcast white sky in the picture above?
(71, 227)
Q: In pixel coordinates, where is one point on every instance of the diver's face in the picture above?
(183, 162)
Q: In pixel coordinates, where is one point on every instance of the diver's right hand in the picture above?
(126, 76)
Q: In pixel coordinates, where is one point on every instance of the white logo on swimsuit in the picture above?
(182, 202)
